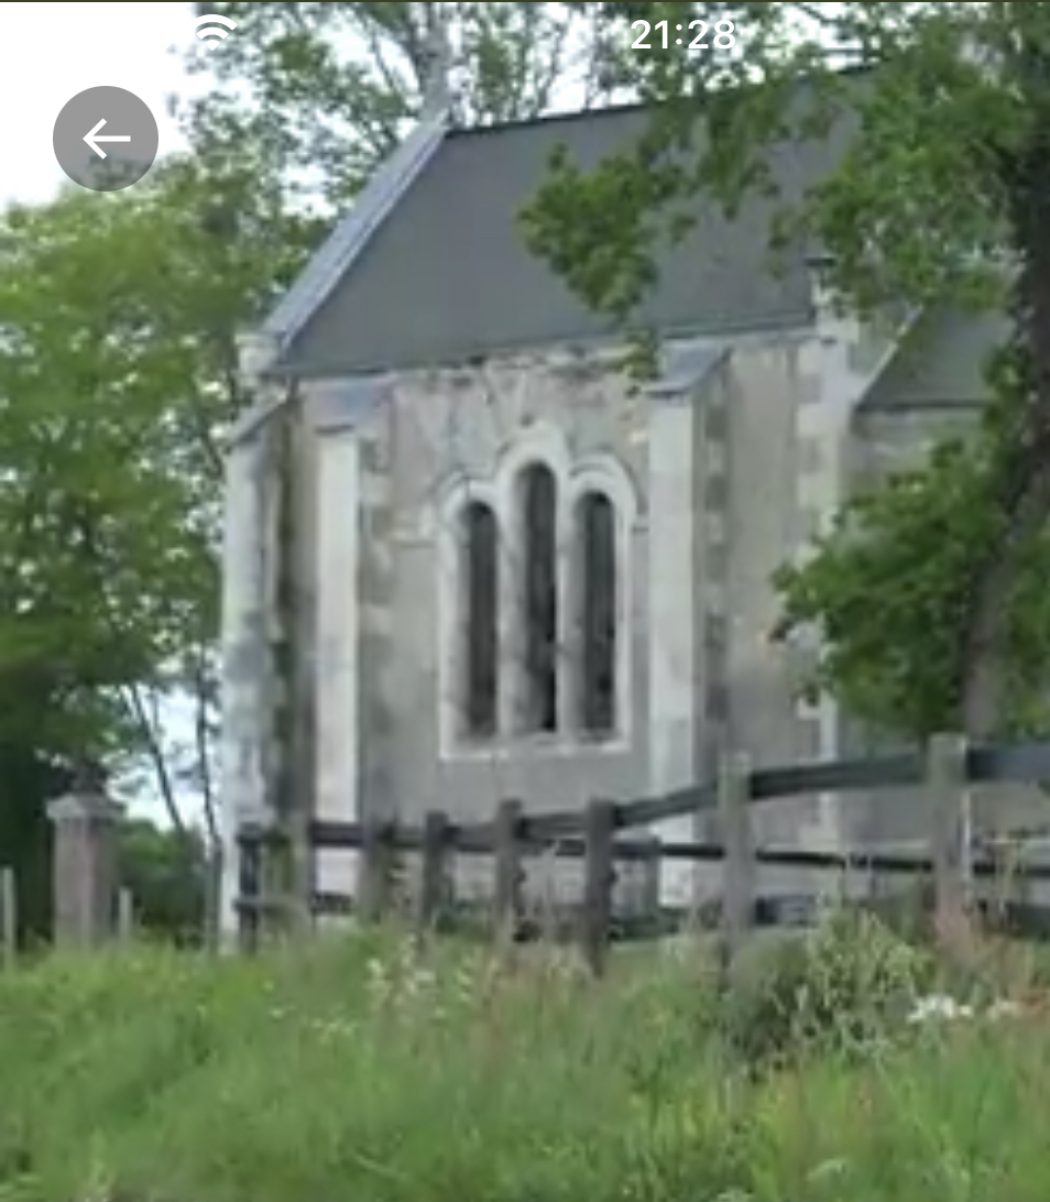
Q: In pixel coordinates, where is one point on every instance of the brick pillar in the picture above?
(85, 867)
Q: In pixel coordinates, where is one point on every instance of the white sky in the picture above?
(50, 51)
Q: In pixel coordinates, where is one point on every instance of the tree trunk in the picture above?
(985, 656)
(1022, 477)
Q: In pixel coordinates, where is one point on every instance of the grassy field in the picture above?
(353, 1069)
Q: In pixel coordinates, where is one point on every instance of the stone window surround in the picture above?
(602, 472)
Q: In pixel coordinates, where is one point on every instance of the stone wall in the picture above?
(465, 431)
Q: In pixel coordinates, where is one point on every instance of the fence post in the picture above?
(263, 883)
(374, 886)
(85, 866)
(249, 887)
(946, 781)
(1006, 854)
(599, 823)
(649, 901)
(636, 895)
(125, 916)
(8, 918)
(738, 864)
(433, 884)
(212, 894)
(508, 871)
(277, 873)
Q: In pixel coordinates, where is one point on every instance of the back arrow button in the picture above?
(93, 137)
(120, 144)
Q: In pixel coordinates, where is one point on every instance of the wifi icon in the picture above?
(213, 27)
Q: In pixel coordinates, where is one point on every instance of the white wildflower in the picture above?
(939, 1006)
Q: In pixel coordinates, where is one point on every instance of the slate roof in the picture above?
(430, 266)
(336, 256)
(445, 274)
(939, 364)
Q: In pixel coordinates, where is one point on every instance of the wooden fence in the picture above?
(942, 771)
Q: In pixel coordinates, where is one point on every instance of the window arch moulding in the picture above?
(545, 445)
(605, 475)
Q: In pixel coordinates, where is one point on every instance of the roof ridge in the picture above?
(598, 110)
(605, 110)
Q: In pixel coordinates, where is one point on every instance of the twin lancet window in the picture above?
(542, 653)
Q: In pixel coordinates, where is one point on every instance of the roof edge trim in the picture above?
(334, 257)
(686, 365)
(910, 321)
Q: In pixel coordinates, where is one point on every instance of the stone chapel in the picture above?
(465, 559)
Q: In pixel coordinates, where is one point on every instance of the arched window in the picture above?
(596, 550)
(539, 599)
(480, 637)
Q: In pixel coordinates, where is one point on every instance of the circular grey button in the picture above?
(105, 139)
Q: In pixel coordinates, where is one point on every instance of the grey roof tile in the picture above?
(447, 275)
(939, 363)
(334, 258)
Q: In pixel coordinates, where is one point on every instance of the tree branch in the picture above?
(133, 700)
(201, 738)
(375, 48)
(811, 13)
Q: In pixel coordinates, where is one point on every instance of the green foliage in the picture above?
(919, 542)
(165, 871)
(912, 543)
(117, 379)
(927, 110)
(102, 563)
(351, 1070)
(323, 92)
(27, 781)
(843, 988)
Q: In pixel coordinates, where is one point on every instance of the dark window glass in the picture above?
(539, 599)
(481, 639)
(597, 550)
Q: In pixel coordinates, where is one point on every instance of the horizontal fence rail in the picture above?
(595, 836)
(1021, 763)
(886, 772)
(347, 835)
(671, 805)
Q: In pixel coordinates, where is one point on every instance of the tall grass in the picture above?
(354, 1069)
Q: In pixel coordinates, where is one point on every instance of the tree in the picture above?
(117, 375)
(165, 873)
(323, 92)
(27, 780)
(943, 195)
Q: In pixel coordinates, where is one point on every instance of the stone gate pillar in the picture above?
(85, 866)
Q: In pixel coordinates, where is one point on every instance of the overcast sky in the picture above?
(50, 51)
